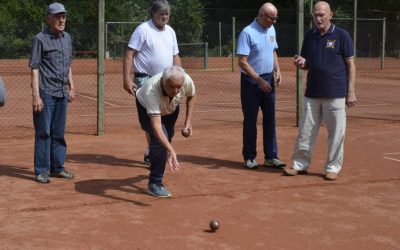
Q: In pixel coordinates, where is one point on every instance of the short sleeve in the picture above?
(137, 39)
(36, 52)
(348, 49)
(243, 44)
(304, 52)
(175, 46)
(190, 89)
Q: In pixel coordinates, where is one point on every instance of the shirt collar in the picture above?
(259, 27)
(53, 35)
(330, 30)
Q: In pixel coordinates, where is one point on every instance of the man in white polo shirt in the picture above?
(157, 103)
(153, 47)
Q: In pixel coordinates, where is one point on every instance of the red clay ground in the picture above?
(105, 207)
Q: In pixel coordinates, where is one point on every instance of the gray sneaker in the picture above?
(158, 190)
(251, 163)
(42, 178)
(274, 163)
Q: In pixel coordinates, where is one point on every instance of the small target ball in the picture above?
(214, 225)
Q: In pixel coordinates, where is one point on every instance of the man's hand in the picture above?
(278, 78)
(264, 85)
(299, 62)
(351, 100)
(71, 95)
(37, 103)
(172, 161)
(130, 87)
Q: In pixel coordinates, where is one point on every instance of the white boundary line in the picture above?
(393, 159)
(95, 99)
(390, 158)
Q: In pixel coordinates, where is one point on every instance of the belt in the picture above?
(139, 74)
(265, 74)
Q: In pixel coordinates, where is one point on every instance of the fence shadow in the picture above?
(214, 163)
(102, 187)
(104, 159)
(17, 172)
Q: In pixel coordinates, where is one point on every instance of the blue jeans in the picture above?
(158, 154)
(252, 99)
(50, 145)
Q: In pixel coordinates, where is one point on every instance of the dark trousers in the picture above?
(50, 146)
(158, 154)
(253, 98)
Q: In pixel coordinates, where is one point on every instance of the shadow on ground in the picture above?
(17, 172)
(103, 159)
(104, 188)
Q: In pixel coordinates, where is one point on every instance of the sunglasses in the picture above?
(272, 18)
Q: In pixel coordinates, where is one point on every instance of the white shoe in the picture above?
(251, 163)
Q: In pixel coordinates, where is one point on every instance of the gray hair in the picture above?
(159, 5)
(173, 71)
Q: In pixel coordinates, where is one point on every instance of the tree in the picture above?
(187, 20)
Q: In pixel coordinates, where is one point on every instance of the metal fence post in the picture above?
(206, 55)
(233, 42)
(383, 42)
(100, 70)
(355, 29)
(299, 72)
(219, 38)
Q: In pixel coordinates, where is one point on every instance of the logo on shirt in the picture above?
(272, 39)
(330, 44)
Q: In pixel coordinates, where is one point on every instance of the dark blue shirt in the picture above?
(52, 55)
(326, 61)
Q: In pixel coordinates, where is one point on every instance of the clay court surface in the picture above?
(106, 206)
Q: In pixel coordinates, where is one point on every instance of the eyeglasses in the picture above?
(272, 18)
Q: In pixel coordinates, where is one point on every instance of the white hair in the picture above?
(173, 71)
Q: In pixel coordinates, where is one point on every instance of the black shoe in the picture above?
(42, 178)
(146, 159)
(63, 174)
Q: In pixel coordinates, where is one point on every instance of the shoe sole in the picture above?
(275, 166)
(61, 176)
(330, 178)
(43, 182)
(159, 196)
(298, 173)
(255, 167)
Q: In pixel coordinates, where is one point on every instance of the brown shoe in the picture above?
(293, 172)
(331, 176)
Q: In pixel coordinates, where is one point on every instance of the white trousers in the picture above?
(332, 112)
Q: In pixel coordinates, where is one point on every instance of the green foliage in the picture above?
(187, 19)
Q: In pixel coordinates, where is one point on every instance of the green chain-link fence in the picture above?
(212, 64)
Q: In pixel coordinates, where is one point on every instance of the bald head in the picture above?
(322, 16)
(322, 5)
(268, 8)
(267, 15)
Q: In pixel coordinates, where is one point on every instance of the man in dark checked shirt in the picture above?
(52, 89)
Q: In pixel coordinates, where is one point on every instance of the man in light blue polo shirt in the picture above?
(327, 54)
(258, 61)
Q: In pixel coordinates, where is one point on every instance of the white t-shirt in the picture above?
(151, 97)
(156, 48)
